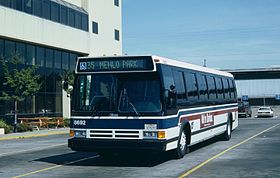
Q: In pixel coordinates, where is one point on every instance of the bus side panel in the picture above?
(172, 135)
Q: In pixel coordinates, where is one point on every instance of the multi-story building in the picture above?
(52, 34)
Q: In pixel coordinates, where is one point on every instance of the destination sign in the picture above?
(115, 64)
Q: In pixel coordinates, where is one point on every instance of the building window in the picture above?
(40, 103)
(55, 12)
(9, 49)
(20, 51)
(72, 61)
(28, 6)
(63, 15)
(49, 58)
(57, 59)
(78, 20)
(117, 35)
(85, 22)
(71, 17)
(37, 8)
(46, 9)
(95, 27)
(17, 4)
(40, 56)
(116, 3)
(49, 96)
(65, 61)
(1, 48)
(30, 55)
(6, 3)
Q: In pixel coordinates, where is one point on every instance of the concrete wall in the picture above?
(107, 21)
(26, 27)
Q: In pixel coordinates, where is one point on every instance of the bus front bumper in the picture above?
(84, 144)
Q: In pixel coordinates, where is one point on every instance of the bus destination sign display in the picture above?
(114, 64)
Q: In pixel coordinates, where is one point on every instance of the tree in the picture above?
(24, 82)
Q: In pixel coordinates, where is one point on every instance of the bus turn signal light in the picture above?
(161, 135)
(71, 134)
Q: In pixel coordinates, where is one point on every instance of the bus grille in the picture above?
(114, 134)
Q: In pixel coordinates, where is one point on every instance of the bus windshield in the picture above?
(117, 94)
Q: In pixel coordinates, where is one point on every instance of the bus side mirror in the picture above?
(171, 98)
(65, 85)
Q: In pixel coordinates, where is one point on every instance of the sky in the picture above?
(229, 34)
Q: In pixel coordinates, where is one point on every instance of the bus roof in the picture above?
(167, 61)
(176, 63)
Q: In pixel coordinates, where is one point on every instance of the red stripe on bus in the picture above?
(198, 116)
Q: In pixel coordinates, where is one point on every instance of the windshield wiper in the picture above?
(134, 108)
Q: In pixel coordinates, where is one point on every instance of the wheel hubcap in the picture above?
(228, 129)
(183, 141)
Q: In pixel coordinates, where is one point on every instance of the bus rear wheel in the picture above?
(227, 134)
(182, 146)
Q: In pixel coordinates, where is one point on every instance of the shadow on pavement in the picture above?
(118, 160)
(135, 159)
(205, 143)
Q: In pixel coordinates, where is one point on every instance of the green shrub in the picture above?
(24, 128)
(67, 122)
(7, 128)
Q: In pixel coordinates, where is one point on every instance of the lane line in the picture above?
(32, 149)
(33, 135)
(225, 151)
(54, 167)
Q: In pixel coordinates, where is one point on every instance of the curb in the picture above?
(33, 135)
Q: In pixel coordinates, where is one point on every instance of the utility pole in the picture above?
(204, 63)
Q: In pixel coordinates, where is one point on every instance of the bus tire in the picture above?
(227, 134)
(182, 146)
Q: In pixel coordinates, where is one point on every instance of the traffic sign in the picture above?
(245, 98)
(277, 97)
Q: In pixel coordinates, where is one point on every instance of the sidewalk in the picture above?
(39, 133)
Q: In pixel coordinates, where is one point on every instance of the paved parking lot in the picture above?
(253, 151)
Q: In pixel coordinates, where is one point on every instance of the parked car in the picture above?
(265, 112)
(244, 109)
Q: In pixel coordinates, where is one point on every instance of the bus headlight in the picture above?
(80, 133)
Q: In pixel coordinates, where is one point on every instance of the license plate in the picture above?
(150, 126)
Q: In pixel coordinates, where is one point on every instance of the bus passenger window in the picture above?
(180, 86)
(191, 84)
(226, 88)
(211, 88)
(219, 85)
(203, 93)
(233, 89)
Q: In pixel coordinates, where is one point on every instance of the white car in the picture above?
(265, 112)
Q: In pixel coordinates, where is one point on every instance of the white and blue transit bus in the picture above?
(149, 103)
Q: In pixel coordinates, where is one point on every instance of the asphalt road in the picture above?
(253, 151)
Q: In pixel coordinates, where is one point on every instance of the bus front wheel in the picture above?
(182, 146)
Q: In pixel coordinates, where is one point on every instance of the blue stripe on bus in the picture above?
(139, 123)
